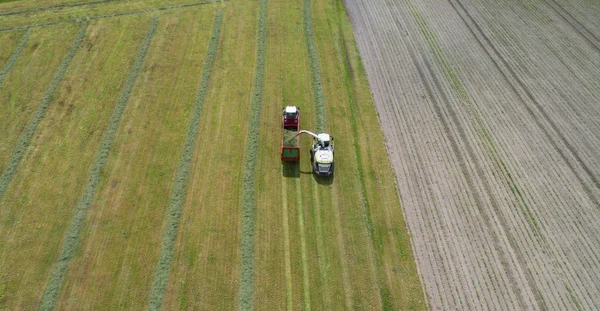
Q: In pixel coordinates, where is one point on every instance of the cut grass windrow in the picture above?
(315, 70)
(246, 293)
(161, 274)
(73, 232)
(15, 55)
(30, 129)
(88, 18)
(54, 7)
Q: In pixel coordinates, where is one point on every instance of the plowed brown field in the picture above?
(491, 118)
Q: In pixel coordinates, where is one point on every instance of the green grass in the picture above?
(30, 129)
(77, 222)
(179, 186)
(220, 201)
(248, 196)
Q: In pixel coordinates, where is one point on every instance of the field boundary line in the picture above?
(525, 90)
(31, 127)
(246, 290)
(286, 242)
(73, 233)
(89, 18)
(53, 7)
(384, 292)
(14, 56)
(161, 274)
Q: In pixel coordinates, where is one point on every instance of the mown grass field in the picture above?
(141, 169)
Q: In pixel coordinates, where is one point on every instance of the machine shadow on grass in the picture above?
(324, 181)
(290, 169)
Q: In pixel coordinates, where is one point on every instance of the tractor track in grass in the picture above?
(88, 18)
(71, 239)
(321, 126)
(54, 7)
(305, 272)
(286, 242)
(14, 56)
(161, 274)
(31, 127)
(246, 290)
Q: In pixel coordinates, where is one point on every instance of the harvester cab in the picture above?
(321, 154)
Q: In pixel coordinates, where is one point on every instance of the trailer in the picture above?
(290, 141)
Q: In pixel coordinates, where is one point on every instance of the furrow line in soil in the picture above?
(71, 239)
(548, 250)
(535, 237)
(585, 33)
(14, 56)
(88, 18)
(529, 197)
(178, 195)
(479, 166)
(246, 290)
(54, 7)
(483, 239)
(509, 72)
(31, 128)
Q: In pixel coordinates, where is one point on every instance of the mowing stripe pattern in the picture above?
(88, 18)
(13, 58)
(161, 274)
(315, 70)
(54, 7)
(247, 240)
(25, 139)
(73, 232)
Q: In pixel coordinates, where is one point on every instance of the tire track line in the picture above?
(305, 279)
(14, 56)
(31, 127)
(286, 241)
(321, 125)
(161, 274)
(71, 240)
(246, 290)
(575, 24)
(321, 253)
(534, 101)
(88, 18)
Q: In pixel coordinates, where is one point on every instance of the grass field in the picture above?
(141, 165)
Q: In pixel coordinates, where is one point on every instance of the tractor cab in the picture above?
(291, 116)
(321, 155)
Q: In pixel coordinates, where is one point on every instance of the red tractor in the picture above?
(290, 142)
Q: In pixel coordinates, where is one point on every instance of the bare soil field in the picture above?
(491, 119)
